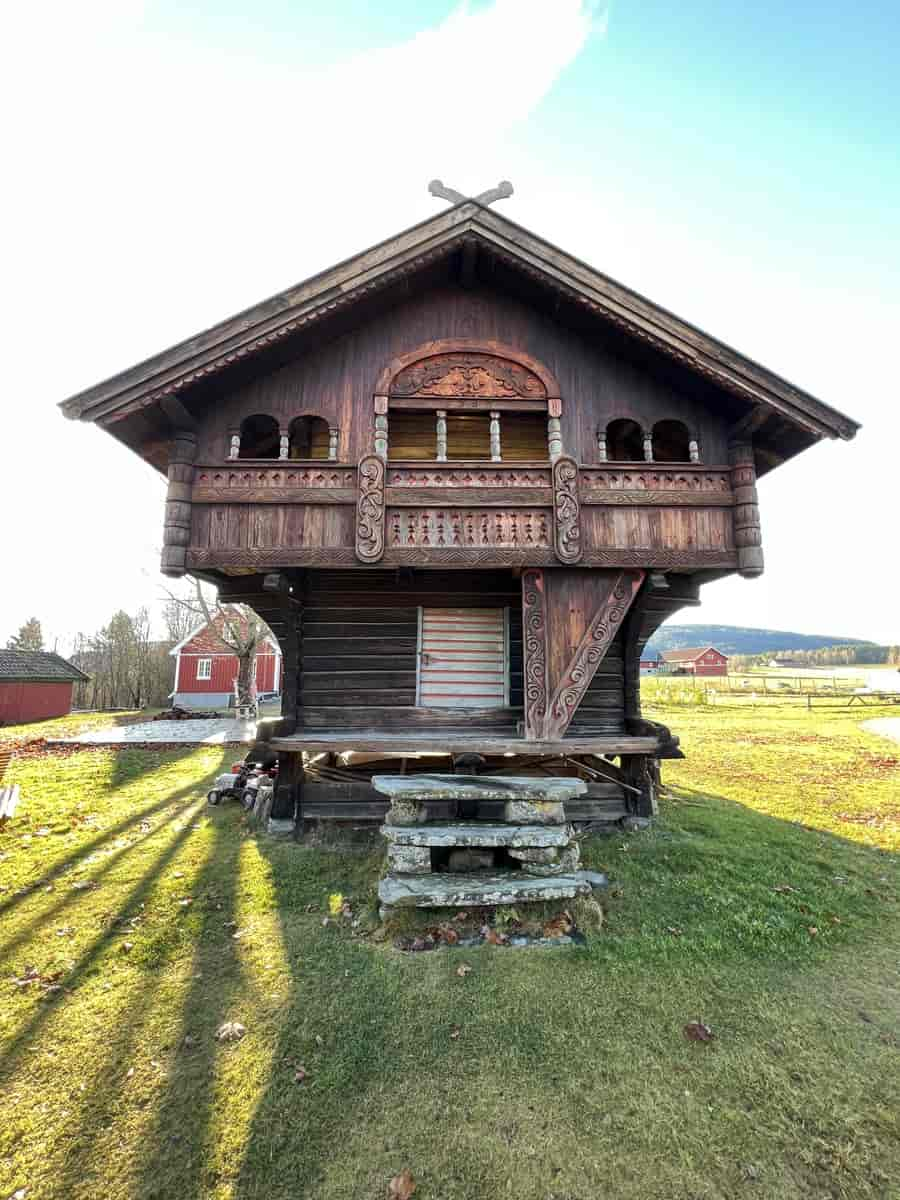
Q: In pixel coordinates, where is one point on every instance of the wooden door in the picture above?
(463, 659)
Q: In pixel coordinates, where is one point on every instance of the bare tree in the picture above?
(235, 626)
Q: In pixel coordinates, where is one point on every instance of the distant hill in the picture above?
(738, 639)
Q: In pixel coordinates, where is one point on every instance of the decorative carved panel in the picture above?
(468, 375)
(591, 650)
(534, 632)
(673, 482)
(416, 477)
(446, 528)
(370, 509)
(566, 511)
(281, 477)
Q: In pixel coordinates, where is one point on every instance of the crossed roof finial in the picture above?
(503, 189)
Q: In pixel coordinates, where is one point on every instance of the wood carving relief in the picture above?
(466, 477)
(276, 477)
(534, 632)
(468, 375)
(439, 528)
(603, 627)
(370, 509)
(566, 511)
(611, 486)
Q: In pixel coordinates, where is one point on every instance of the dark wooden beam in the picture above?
(468, 261)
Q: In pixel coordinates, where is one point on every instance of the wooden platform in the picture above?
(318, 741)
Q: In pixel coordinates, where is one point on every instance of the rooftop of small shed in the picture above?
(37, 666)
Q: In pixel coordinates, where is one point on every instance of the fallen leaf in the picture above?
(455, 1032)
(674, 930)
(463, 970)
(402, 1186)
(299, 1074)
(126, 946)
(230, 1031)
(696, 1031)
(783, 887)
(129, 1072)
(812, 930)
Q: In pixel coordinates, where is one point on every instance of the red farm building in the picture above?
(205, 668)
(35, 685)
(696, 660)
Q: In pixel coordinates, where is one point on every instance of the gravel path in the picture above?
(202, 732)
(888, 727)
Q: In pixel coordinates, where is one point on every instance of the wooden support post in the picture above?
(601, 445)
(441, 425)
(381, 427)
(747, 534)
(287, 803)
(284, 444)
(333, 438)
(495, 437)
(694, 450)
(177, 528)
(648, 446)
(642, 775)
(234, 444)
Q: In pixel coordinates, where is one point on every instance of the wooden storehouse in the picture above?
(463, 477)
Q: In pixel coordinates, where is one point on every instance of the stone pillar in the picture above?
(694, 450)
(601, 445)
(747, 533)
(381, 426)
(441, 426)
(333, 436)
(177, 527)
(284, 445)
(234, 445)
(648, 446)
(495, 437)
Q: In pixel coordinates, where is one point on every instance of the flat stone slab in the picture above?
(459, 891)
(415, 788)
(475, 834)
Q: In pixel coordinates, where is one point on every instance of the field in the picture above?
(764, 903)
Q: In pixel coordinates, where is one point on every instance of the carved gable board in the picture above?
(570, 618)
(468, 375)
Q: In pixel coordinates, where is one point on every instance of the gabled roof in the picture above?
(37, 666)
(176, 650)
(257, 331)
(688, 654)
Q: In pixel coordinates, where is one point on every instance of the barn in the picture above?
(696, 660)
(205, 668)
(35, 685)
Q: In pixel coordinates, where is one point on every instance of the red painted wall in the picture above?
(22, 701)
(223, 673)
(719, 665)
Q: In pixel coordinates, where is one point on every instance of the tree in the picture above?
(236, 627)
(29, 637)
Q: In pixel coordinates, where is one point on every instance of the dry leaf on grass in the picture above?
(455, 1032)
(812, 930)
(696, 1031)
(230, 1031)
(463, 970)
(402, 1186)
(299, 1073)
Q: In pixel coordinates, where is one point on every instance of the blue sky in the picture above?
(736, 163)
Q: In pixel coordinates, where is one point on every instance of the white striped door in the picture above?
(462, 658)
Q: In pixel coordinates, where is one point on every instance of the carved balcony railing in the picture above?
(457, 514)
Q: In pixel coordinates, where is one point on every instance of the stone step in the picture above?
(461, 891)
(418, 788)
(478, 834)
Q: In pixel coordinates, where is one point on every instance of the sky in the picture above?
(171, 163)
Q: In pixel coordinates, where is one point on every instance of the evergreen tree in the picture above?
(29, 637)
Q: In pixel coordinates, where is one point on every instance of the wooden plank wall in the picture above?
(337, 380)
(359, 643)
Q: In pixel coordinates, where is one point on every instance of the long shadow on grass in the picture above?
(174, 1151)
(90, 958)
(70, 861)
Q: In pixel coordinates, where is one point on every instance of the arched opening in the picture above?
(308, 438)
(259, 437)
(624, 441)
(671, 442)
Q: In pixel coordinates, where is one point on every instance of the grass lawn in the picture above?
(70, 726)
(137, 921)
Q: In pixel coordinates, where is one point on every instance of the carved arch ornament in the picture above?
(476, 365)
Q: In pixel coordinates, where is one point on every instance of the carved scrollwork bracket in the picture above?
(370, 509)
(567, 540)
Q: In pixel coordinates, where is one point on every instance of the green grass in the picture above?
(570, 1076)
